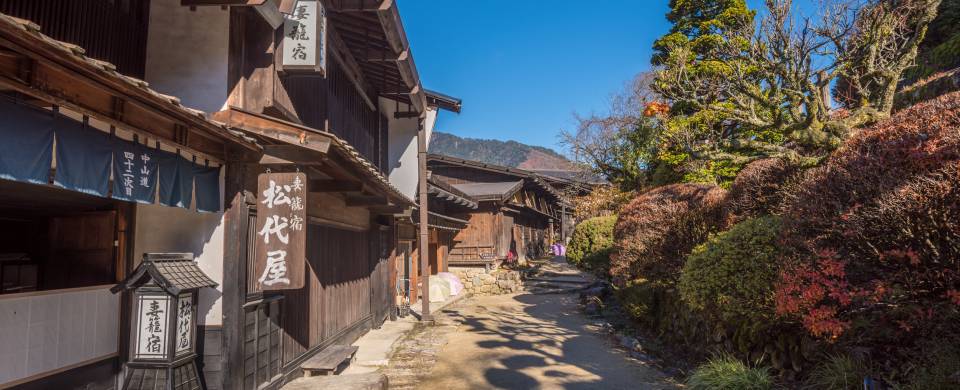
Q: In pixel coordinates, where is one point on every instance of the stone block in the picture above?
(370, 381)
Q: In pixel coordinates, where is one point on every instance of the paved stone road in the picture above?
(519, 341)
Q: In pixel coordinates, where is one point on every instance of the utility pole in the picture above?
(424, 233)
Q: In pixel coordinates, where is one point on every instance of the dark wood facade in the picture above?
(327, 127)
(516, 222)
(89, 239)
(347, 293)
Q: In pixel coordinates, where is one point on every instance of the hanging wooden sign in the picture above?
(281, 230)
(305, 38)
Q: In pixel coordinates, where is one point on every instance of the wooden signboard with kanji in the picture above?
(281, 230)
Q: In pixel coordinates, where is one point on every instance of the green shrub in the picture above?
(643, 299)
(591, 242)
(938, 367)
(838, 372)
(734, 273)
(726, 372)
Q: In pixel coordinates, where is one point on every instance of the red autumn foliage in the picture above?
(658, 228)
(759, 188)
(887, 206)
(655, 109)
(819, 291)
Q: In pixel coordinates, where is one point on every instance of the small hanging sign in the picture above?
(305, 38)
(281, 230)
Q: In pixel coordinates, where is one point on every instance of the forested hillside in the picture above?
(506, 153)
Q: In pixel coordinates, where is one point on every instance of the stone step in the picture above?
(552, 274)
(371, 381)
(559, 280)
(545, 290)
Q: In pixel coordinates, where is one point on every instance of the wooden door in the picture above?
(82, 250)
(381, 287)
(261, 348)
(404, 270)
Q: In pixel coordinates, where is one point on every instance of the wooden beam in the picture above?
(397, 38)
(360, 5)
(269, 11)
(196, 3)
(387, 210)
(389, 57)
(299, 154)
(362, 201)
(344, 56)
(275, 129)
(335, 186)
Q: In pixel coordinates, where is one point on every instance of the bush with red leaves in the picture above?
(876, 230)
(658, 228)
(759, 188)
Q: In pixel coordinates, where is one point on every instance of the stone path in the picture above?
(518, 341)
(416, 354)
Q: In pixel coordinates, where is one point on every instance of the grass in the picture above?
(837, 372)
(725, 372)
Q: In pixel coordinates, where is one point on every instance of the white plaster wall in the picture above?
(172, 229)
(187, 53)
(402, 150)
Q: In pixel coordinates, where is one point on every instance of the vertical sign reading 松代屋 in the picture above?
(305, 38)
(281, 230)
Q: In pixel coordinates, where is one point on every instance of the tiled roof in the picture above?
(173, 272)
(367, 167)
(517, 172)
(446, 191)
(31, 31)
(490, 191)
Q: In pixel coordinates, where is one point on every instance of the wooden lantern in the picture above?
(163, 326)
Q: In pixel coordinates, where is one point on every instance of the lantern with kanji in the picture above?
(163, 321)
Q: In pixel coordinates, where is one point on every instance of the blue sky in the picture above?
(523, 67)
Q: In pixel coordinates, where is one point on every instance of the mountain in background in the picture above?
(506, 153)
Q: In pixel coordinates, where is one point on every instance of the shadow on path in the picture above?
(533, 341)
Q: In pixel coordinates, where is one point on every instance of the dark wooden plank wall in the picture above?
(381, 285)
(535, 234)
(109, 30)
(337, 294)
(334, 98)
(484, 230)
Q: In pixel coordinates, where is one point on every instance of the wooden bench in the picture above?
(329, 360)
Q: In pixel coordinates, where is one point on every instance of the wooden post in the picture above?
(424, 234)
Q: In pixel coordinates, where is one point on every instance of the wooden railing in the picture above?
(473, 254)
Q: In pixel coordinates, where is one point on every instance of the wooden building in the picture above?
(261, 109)
(445, 203)
(518, 212)
(570, 183)
(96, 168)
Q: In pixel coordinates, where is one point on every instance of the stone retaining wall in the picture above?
(480, 281)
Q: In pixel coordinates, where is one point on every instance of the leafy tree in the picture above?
(622, 144)
(695, 59)
(741, 92)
